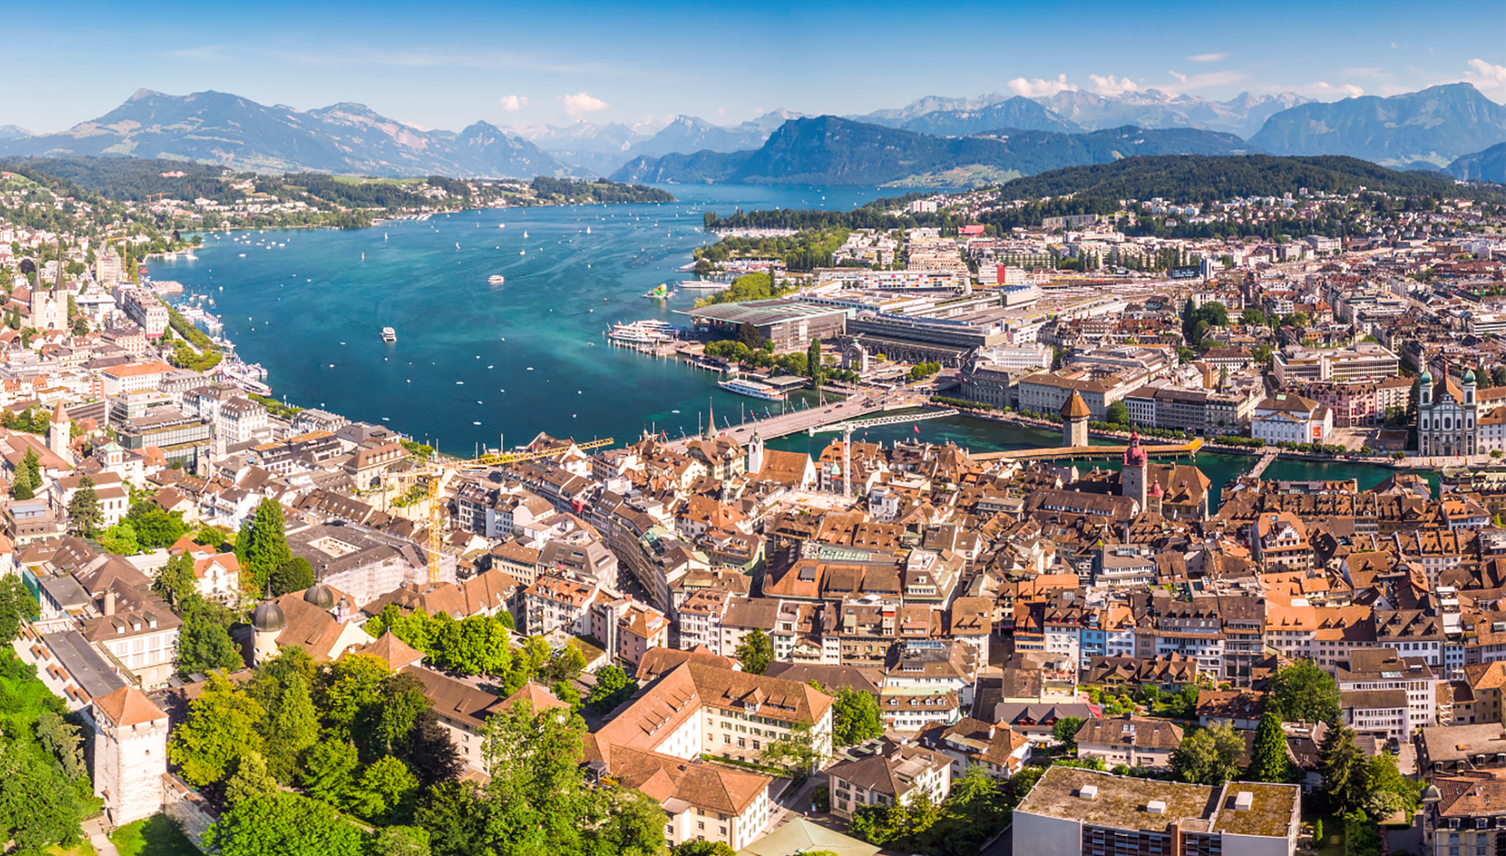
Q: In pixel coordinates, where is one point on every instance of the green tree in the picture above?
(1210, 756)
(350, 693)
(1117, 414)
(1390, 791)
(813, 362)
(756, 652)
(1268, 761)
(401, 841)
(38, 806)
(796, 751)
(66, 743)
(262, 546)
(120, 540)
(748, 335)
(176, 582)
(1344, 769)
(84, 514)
(28, 476)
(1065, 732)
(251, 779)
(204, 644)
(855, 717)
(612, 688)
(1304, 692)
(155, 528)
(536, 801)
(296, 574)
(291, 724)
(384, 792)
(634, 825)
(16, 603)
(451, 812)
(284, 824)
(704, 848)
(329, 768)
(220, 729)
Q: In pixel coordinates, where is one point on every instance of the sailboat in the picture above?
(525, 233)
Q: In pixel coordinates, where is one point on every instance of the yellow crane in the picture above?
(439, 470)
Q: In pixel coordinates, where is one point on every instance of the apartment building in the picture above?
(896, 774)
(1364, 361)
(1128, 740)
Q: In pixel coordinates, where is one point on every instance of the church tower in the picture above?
(1075, 415)
(755, 455)
(1134, 477)
(59, 429)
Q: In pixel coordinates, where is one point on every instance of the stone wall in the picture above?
(189, 810)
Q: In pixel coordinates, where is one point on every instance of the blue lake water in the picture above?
(483, 365)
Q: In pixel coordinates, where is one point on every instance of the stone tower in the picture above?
(59, 429)
(755, 455)
(130, 754)
(1134, 477)
(1075, 421)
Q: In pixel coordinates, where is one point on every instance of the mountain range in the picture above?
(1429, 128)
(216, 127)
(835, 150)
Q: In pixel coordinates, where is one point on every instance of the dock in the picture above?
(799, 421)
(1072, 453)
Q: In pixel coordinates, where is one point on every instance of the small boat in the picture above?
(496, 279)
(522, 252)
(525, 233)
(660, 293)
(389, 335)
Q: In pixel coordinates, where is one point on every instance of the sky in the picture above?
(445, 65)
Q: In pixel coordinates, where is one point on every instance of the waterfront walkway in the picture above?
(796, 421)
(1069, 453)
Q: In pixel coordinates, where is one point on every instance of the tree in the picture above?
(1210, 756)
(1268, 761)
(176, 582)
(120, 540)
(350, 693)
(1117, 414)
(262, 546)
(536, 801)
(1065, 732)
(1304, 692)
(749, 335)
(401, 841)
(84, 515)
(756, 652)
(634, 825)
(451, 812)
(813, 362)
(612, 688)
(291, 724)
(39, 807)
(429, 753)
(250, 780)
(284, 824)
(28, 476)
(1390, 791)
(1344, 769)
(703, 847)
(65, 741)
(329, 768)
(16, 603)
(855, 717)
(220, 729)
(796, 751)
(296, 574)
(384, 792)
(204, 645)
(154, 527)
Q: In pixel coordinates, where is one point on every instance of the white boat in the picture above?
(642, 332)
(752, 389)
(496, 279)
(705, 284)
(389, 334)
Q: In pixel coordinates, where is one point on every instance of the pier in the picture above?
(798, 421)
(1072, 453)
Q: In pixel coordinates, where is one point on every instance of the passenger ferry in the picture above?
(705, 284)
(389, 335)
(642, 332)
(752, 389)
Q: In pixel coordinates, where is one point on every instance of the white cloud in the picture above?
(1486, 76)
(581, 103)
(1203, 81)
(1108, 85)
(1207, 57)
(1322, 88)
(721, 111)
(1038, 88)
(514, 103)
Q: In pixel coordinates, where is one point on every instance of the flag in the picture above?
(917, 428)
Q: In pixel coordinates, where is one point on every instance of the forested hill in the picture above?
(1189, 178)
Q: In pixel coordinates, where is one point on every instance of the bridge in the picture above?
(802, 420)
(1072, 453)
(1265, 461)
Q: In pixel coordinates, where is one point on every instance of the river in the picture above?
(481, 365)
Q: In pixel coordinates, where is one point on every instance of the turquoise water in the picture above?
(482, 365)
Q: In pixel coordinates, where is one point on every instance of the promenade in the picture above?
(796, 421)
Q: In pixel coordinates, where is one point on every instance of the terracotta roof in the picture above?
(391, 650)
(1075, 408)
(536, 695)
(129, 706)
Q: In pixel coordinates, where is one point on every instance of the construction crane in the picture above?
(852, 425)
(437, 471)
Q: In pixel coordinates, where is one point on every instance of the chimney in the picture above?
(110, 602)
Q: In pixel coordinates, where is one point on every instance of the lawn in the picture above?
(155, 836)
(83, 848)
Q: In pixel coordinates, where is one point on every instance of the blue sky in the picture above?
(445, 65)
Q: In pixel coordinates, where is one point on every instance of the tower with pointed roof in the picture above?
(130, 754)
(59, 429)
(1133, 479)
(1075, 415)
(1447, 415)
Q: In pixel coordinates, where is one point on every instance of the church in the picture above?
(1446, 415)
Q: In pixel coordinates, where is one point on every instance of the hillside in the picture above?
(832, 150)
(1019, 113)
(1192, 178)
(218, 128)
(1427, 128)
(1487, 165)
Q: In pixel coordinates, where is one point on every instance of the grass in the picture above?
(157, 835)
(83, 848)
